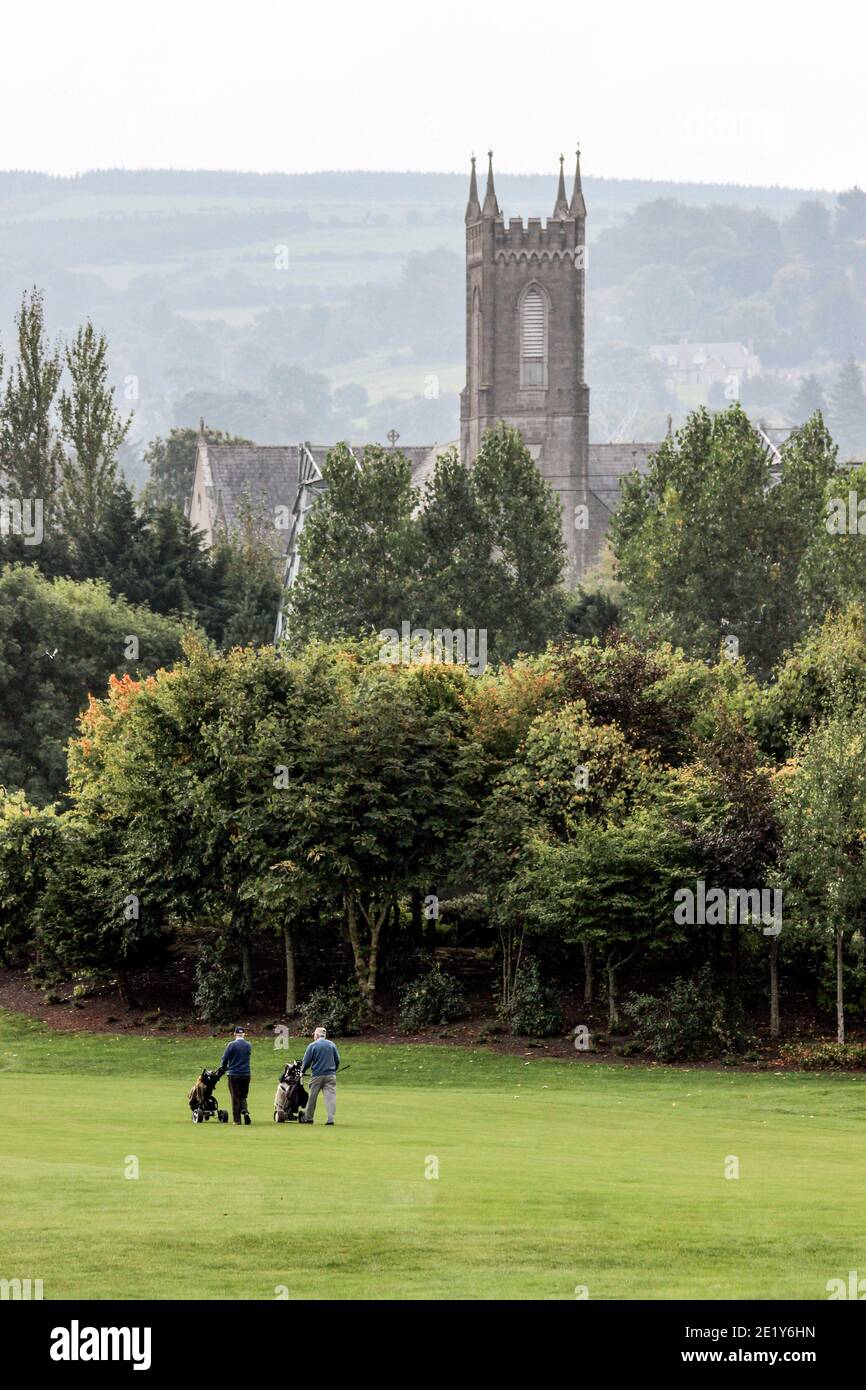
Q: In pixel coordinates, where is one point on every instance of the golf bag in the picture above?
(203, 1102)
(291, 1097)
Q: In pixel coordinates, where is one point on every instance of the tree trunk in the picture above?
(735, 949)
(366, 957)
(125, 989)
(247, 964)
(512, 950)
(840, 987)
(291, 983)
(612, 1001)
(774, 987)
(588, 981)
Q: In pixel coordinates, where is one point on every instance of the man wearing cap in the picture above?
(236, 1061)
(323, 1059)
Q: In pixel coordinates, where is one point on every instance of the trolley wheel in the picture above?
(196, 1117)
(223, 1117)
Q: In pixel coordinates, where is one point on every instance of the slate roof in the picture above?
(265, 473)
(609, 462)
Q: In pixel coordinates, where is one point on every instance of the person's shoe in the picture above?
(328, 1122)
(247, 1120)
(237, 1122)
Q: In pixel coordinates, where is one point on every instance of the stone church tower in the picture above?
(524, 343)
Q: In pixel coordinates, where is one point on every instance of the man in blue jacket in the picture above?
(323, 1059)
(236, 1061)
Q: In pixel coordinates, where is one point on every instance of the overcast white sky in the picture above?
(752, 91)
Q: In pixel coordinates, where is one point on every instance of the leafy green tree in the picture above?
(60, 640)
(30, 448)
(809, 232)
(93, 431)
(712, 549)
(29, 841)
(484, 551)
(358, 566)
(724, 806)
(823, 819)
(851, 214)
(490, 539)
(610, 887)
(651, 693)
(171, 463)
(567, 771)
(389, 776)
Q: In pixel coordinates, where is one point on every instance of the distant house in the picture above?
(705, 364)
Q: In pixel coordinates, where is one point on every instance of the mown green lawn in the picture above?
(550, 1176)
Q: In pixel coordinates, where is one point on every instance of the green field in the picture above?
(552, 1175)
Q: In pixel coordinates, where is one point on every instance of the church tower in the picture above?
(524, 343)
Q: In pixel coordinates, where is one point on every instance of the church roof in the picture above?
(266, 474)
(610, 462)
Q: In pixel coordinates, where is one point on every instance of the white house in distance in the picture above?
(705, 364)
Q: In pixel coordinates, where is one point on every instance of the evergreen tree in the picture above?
(848, 413)
(809, 398)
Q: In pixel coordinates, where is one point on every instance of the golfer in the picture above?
(236, 1061)
(323, 1059)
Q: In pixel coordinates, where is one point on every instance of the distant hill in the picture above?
(243, 296)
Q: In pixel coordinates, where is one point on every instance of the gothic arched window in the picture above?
(477, 323)
(533, 338)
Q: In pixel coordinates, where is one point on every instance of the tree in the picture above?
(483, 553)
(29, 840)
(808, 400)
(93, 430)
(492, 554)
(384, 795)
(60, 640)
(849, 410)
(809, 231)
(568, 770)
(712, 547)
(171, 463)
(610, 887)
(30, 449)
(724, 806)
(651, 693)
(823, 820)
(358, 566)
(851, 214)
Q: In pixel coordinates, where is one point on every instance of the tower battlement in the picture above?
(524, 341)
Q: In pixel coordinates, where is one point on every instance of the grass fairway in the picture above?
(551, 1175)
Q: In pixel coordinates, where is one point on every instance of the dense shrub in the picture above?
(432, 998)
(690, 1020)
(824, 1056)
(532, 1010)
(220, 991)
(338, 1008)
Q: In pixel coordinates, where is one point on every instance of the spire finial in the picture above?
(491, 207)
(473, 207)
(560, 207)
(577, 206)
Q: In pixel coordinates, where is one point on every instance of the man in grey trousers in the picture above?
(323, 1059)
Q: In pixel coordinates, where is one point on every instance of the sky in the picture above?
(743, 91)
